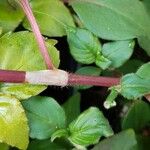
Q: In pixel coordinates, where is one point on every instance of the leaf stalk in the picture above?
(35, 28)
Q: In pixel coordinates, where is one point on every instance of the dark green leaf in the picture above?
(146, 4)
(72, 106)
(130, 66)
(83, 44)
(118, 52)
(88, 70)
(45, 145)
(88, 128)
(45, 116)
(137, 117)
(115, 19)
(19, 51)
(52, 16)
(85, 47)
(4, 146)
(124, 140)
(142, 143)
(0, 30)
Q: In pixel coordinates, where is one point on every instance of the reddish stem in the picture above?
(19, 77)
(42, 46)
(75, 79)
(12, 76)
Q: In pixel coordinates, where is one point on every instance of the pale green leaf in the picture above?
(45, 116)
(124, 140)
(10, 15)
(115, 19)
(88, 128)
(19, 51)
(118, 52)
(88, 70)
(13, 122)
(137, 117)
(52, 17)
(72, 106)
(85, 47)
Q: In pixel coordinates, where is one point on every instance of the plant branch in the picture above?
(40, 40)
(12, 76)
(55, 77)
(75, 79)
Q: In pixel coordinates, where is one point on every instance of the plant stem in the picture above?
(12, 76)
(40, 40)
(75, 79)
(60, 78)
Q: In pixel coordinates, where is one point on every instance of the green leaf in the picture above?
(52, 17)
(130, 66)
(115, 19)
(142, 143)
(11, 16)
(19, 51)
(146, 5)
(144, 71)
(118, 52)
(59, 133)
(85, 47)
(88, 128)
(133, 87)
(0, 30)
(13, 122)
(46, 145)
(137, 117)
(45, 116)
(88, 70)
(144, 42)
(124, 140)
(72, 106)
(4, 146)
